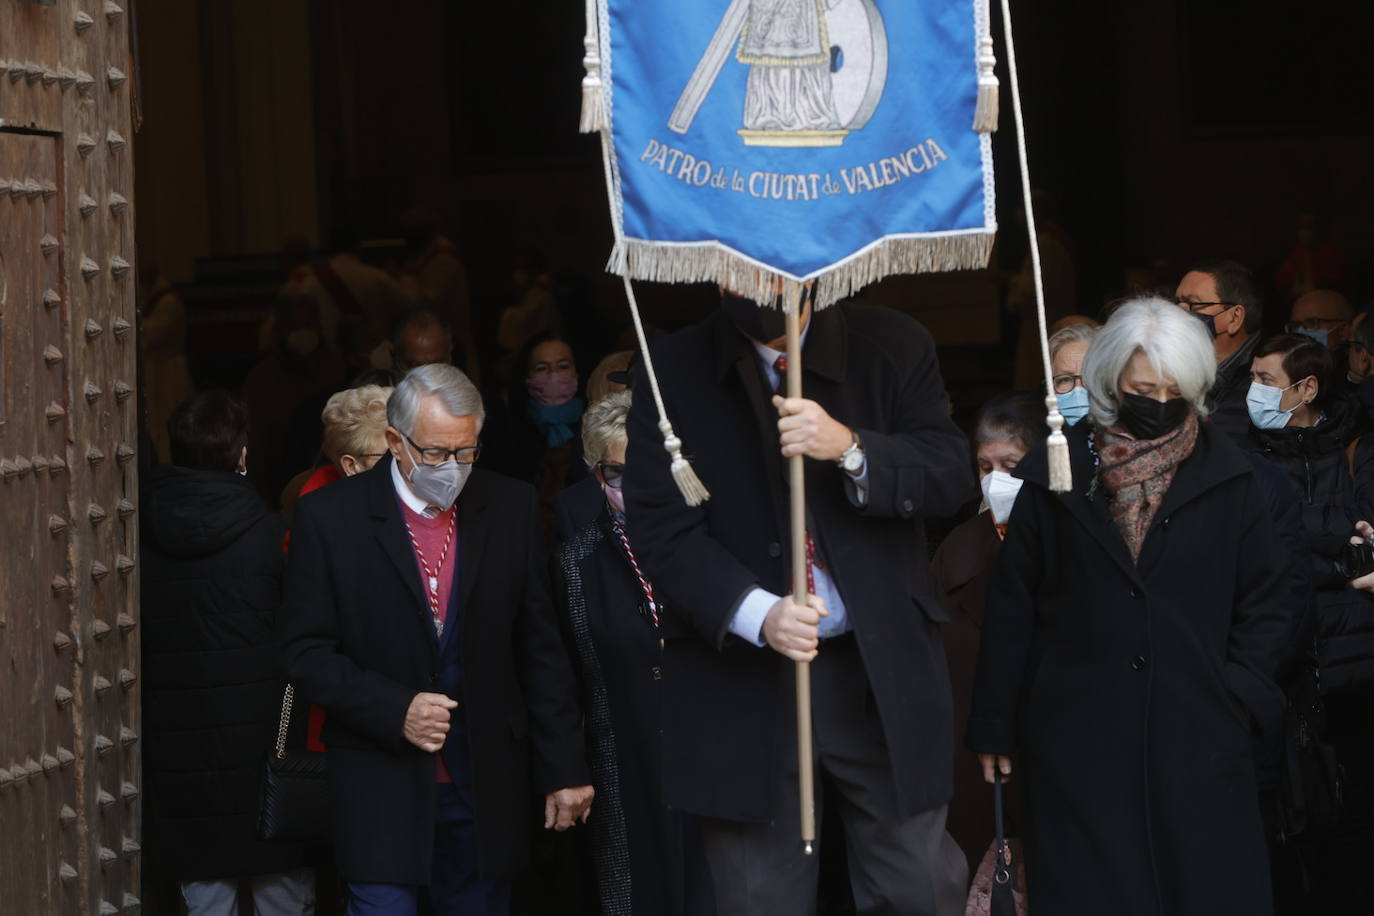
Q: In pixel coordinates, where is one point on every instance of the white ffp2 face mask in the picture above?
(999, 492)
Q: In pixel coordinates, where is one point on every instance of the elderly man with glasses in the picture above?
(1223, 295)
(418, 614)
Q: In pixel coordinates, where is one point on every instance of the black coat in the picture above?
(618, 661)
(1319, 461)
(358, 640)
(962, 568)
(728, 710)
(1230, 414)
(578, 506)
(1130, 694)
(212, 569)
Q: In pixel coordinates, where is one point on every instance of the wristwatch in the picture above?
(852, 460)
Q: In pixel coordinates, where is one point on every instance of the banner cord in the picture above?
(1061, 475)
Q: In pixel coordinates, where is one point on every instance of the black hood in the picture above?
(196, 513)
(1342, 424)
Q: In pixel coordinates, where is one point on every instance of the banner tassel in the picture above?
(1061, 471)
(985, 112)
(693, 491)
(593, 98)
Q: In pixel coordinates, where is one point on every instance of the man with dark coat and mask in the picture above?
(874, 422)
(422, 623)
(1223, 295)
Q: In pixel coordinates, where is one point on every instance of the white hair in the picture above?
(1175, 343)
(603, 425)
(454, 390)
(355, 421)
(1073, 333)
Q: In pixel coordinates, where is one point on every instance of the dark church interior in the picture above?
(1157, 134)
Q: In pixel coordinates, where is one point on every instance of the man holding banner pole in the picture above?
(881, 453)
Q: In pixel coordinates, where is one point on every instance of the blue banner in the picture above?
(754, 139)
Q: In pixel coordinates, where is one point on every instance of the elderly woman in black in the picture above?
(1131, 631)
(648, 859)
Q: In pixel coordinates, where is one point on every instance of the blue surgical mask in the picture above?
(1263, 402)
(1318, 334)
(1073, 406)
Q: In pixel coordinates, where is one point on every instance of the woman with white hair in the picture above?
(648, 859)
(1130, 636)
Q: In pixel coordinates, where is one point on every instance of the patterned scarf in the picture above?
(1137, 473)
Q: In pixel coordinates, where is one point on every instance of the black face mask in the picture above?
(1147, 418)
(762, 323)
(1208, 321)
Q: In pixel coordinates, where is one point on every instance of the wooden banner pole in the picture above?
(806, 777)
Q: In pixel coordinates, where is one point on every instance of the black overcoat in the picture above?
(1129, 694)
(728, 704)
(1332, 468)
(962, 568)
(211, 590)
(358, 639)
(618, 660)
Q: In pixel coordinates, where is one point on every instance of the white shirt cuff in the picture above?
(747, 623)
(858, 486)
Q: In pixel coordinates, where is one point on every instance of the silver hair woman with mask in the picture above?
(1130, 638)
(612, 618)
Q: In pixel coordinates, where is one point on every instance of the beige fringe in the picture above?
(661, 263)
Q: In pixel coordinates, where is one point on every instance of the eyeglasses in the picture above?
(1063, 384)
(436, 455)
(1195, 305)
(1313, 324)
(612, 474)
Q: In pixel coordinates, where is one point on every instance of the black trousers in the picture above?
(897, 867)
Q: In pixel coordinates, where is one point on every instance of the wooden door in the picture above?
(69, 701)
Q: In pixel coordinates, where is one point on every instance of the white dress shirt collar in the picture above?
(412, 502)
(770, 356)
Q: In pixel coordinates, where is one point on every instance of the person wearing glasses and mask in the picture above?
(1068, 346)
(1223, 295)
(648, 858)
(1009, 426)
(1124, 685)
(418, 614)
(1327, 317)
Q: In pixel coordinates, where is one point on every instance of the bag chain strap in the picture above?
(285, 721)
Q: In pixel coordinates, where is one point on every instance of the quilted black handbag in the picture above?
(293, 805)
